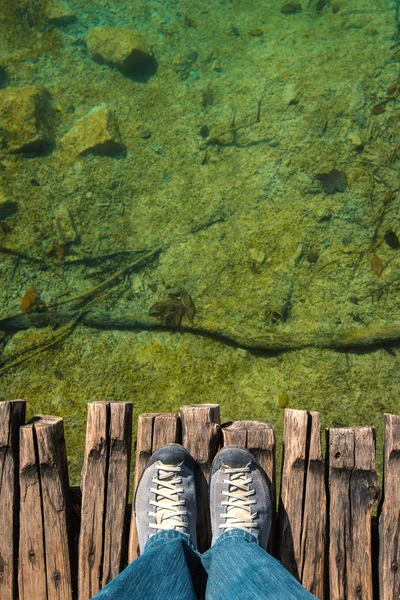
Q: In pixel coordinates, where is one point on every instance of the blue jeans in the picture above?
(235, 567)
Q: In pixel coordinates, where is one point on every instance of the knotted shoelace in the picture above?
(168, 514)
(238, 512)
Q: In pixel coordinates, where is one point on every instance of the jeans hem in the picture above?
(169, 534)
(236, 533)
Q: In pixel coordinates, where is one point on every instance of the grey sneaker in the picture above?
(166, 495)
(239, 495)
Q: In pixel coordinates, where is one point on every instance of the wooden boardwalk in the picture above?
(62, 543)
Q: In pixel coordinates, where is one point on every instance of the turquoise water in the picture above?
(226, 166)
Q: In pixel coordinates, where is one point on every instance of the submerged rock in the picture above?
(96, 132)
(291, 8)
(27, 119)
(123, 49)
(334, 181)
(59, 12)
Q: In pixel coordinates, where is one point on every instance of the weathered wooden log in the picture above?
(293, 478)
(93, 485)
(154, 430)
(302, 506)
(354, 491)
(201, 437)
(54, 485)
(105, 475)
(45, 570)
(389, 519)
(32, 565)
(115, 534)
(259, 439)
(12, 416)
(313, 533)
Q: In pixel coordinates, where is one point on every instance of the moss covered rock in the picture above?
(59, 12)
(27, 119)
(96, 132)
(123, 49)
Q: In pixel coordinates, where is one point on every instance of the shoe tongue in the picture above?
(162, 513)
(238, 511)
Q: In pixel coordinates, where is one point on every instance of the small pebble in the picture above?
(257, 32)
(205, 131)
(334, 181)
(392, 240)
(290, 8)
(242, 352)
(258, 256)
(312, 257)
(355, 140)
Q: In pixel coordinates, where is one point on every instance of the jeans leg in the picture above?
(163, 572)
(238, 567)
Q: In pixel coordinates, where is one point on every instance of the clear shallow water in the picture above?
(256, 149)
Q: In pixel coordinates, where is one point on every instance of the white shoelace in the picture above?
(238, 512)
(168, 515)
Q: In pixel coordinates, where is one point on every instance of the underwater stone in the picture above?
(59, 12)
(121, 48)
(334, 181)
(27, 119)
(290, 94)
(290, 8)
(64, 225)
(96, 132)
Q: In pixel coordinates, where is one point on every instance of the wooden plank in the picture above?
(54, 484)
(364, 495)
(313, 534)
(144, 440)
(117, 489)
(154, 430)
(389, 518)
(144, 443)
(12, 416)
(292, 489)
(259, 439)
(93, 484)
(354, 491)
(201, 437)
(32, 564)
(341, 464)
(166, 430)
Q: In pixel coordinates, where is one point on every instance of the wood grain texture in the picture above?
(93, 485)
(354, 491)
(115, 534)
(201, 437)
(54, 485)
(313, 534)
(389, 519)
(12, 416)
(259, 439)
(154, 430)
(166, 430)
(293, 481)
(32, 565)
(341, 464)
